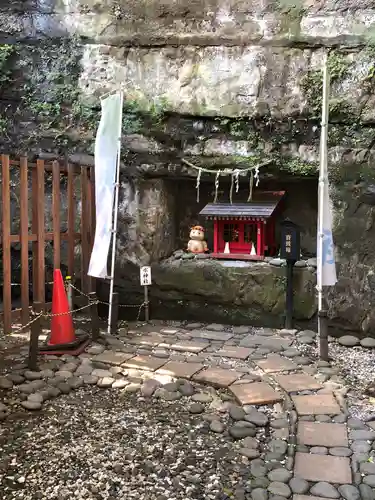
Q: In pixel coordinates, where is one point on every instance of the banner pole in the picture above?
(115, 220)
(323, 179)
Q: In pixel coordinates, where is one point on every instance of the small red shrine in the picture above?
(245, 231)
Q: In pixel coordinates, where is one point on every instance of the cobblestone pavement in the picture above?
(194, 412)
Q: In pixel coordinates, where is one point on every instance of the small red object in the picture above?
(247, 228)
(62, 329)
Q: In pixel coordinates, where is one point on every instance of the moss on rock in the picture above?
(256, 286)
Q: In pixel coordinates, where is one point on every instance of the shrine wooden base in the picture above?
(236, 256)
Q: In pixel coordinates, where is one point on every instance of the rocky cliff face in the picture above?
(220, 83)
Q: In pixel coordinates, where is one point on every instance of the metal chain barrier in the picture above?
(140, 306)
(36, 315)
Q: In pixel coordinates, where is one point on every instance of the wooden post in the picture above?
(56, 214)
(24, 240)
(147, 304)
(71, 221)
(95, 331)
(289, 294)
(38, 229)
(85, 279)
(90, 226)
(7, 269)
(36, 328)
(114, 313)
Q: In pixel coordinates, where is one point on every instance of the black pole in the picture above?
(289, 294)
(323, 334)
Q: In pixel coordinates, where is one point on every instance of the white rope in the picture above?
(198, 183)
(217, 185)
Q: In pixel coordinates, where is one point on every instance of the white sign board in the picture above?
(145, 275)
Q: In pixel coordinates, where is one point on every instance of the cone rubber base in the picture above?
(74, 348)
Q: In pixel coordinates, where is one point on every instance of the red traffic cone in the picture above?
(62, 330)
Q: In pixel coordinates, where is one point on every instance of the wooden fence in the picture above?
(38, 235)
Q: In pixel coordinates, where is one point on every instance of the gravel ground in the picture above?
(97, 444)
(357, 367)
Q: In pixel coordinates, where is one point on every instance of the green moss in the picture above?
(312, 86)
(6, 52)
(51, 98)
(296, 166)
(291, 13)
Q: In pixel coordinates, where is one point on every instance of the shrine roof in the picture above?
(264, 206)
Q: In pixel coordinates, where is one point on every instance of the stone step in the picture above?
(316, 404)
(322, 434)
(276, 363)
(218, 377)
(180, 370)
(297, 382)
(325, 468)
(255, 393)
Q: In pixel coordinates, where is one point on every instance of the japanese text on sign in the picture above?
(288, 243)
(145, 275)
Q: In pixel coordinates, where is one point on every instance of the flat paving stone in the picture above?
(187, 346)
(325, 468)
(316, 404)
(153, 339)
(322, 434)
(271, 342)
(112, 357)
(211, 335)
(217, 376)
(169, 331)
(275, 363)
(297, 382)
(180, 370)
(145, 363)
(255, 393)
(234, 352)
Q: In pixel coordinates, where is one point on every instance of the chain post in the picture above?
(93, 301)
(35, 331)
(114, 315)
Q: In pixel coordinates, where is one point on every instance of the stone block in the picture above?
(147, 363)
(187, 346)
(255, 393)
(112, 357)
(234, 352)
(323, 468)
(180, 370)
(297, 382)
(322, 434)
(275, 363)
(211, 335)
(218, 377)
(316, 404)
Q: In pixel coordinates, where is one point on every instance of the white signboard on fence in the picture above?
(145, 275)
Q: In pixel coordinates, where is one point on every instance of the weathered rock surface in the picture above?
(254, 293)
(224, 84)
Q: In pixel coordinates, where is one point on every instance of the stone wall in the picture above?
(220, 83)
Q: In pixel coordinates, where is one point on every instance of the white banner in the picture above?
(327, 275)
(326, 266)
(106, 156)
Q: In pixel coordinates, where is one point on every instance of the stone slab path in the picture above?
(316, 451)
